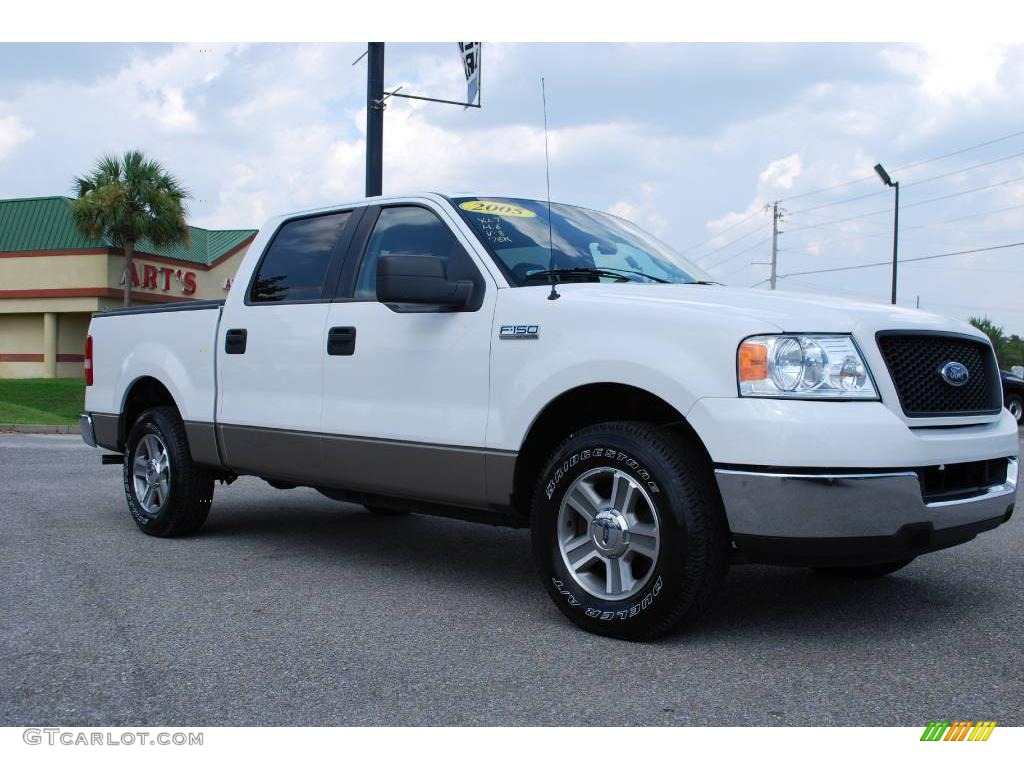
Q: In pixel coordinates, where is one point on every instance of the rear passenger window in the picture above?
(296, 264)
(411, 231)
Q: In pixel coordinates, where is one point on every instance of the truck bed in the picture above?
(173, 345)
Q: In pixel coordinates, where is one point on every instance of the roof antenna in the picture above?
(547, 173)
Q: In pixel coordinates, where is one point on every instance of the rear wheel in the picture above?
(874, 571)
(627, 530)
(167, 494)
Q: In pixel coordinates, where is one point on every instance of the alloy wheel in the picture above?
(151, 474)
(608, 533)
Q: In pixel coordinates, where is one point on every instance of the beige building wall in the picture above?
(72, 328)
(22, 316)
(74, 270)
(20, 336)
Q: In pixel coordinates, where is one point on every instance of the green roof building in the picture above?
(52, 279)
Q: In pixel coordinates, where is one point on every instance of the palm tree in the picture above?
(125, 199)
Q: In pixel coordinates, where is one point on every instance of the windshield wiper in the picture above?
(599, 272)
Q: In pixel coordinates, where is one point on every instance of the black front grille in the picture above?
(915, 361)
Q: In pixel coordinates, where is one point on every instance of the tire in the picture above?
(1015, 405)
(181, 492)
(874, 571)
(675, 557)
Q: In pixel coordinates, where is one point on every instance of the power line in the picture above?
(791, 198)
(723, 247)
(961, 151)
(832, 289)
(737, 255)
(904, 261)
(926, 225)
(926, 241)
(908, 205)
(842, 202)
(965, 170)
(758, 212)
(910, 184)
(947, 268)
(968, 216)
(865, 296)
(906, 167)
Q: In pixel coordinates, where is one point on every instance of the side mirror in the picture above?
(419, 280)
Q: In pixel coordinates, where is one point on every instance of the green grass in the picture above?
(41, 401)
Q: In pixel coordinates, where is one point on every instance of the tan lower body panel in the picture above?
(462, 476)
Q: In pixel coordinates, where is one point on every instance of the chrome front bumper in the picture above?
(85, 426)
(850, 505)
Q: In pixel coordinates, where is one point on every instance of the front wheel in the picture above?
(167, 494)
(628, 533)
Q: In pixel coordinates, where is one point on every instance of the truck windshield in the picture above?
(586, 246)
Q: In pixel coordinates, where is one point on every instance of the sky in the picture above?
(691, 141)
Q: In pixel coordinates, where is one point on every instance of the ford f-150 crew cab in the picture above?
(514, 362)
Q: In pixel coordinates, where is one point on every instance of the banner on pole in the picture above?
(470, 53)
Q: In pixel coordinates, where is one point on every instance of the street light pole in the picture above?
(375, 119)
(887, 180)
(895, 237)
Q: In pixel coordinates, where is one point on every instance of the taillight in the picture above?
(88, 361)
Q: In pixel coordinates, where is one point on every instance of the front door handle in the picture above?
(234, 341)
(341, 340)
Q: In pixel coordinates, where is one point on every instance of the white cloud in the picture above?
(12, 132)
(944, 71)
(168, 110)
(625, 209)
(780, 174)
(646, 211)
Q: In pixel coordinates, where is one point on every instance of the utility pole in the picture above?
(375, 120)
(776, 216)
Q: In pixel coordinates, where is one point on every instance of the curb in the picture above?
(41, 429)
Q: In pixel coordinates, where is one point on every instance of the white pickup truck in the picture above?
(511, 362)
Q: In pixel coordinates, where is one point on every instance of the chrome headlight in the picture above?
(804, 366)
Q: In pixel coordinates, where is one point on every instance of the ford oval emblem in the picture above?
(955, 374)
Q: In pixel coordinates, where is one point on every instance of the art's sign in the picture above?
(156, 278)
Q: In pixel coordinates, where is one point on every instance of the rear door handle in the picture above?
(234, 341)
(341, 340)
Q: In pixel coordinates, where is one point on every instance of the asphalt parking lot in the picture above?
(291, 609)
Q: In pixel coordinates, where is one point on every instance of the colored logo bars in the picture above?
(959, 730)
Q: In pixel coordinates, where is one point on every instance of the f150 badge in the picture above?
(519, 332)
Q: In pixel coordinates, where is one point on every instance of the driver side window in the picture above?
(410, 231)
